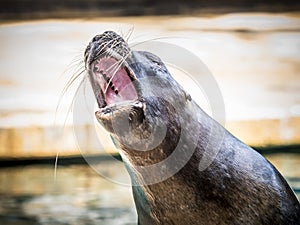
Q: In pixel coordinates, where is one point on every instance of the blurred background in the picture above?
(251, 47)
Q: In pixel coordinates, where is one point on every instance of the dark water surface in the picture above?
(78, 195)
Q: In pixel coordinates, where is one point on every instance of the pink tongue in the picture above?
(121, 88)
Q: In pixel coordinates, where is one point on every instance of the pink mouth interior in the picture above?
(114, 81)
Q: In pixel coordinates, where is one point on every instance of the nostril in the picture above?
(131, 116)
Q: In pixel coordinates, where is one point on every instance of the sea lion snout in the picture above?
(106, 44)
(121, 118)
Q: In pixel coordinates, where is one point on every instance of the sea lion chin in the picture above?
(238, 187)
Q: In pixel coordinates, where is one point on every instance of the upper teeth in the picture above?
(110, 83)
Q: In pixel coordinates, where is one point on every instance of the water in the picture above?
(78, 195)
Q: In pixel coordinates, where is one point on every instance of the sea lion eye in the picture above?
(158, 63)
(153, 58)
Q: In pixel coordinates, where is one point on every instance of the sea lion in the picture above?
(238, 187)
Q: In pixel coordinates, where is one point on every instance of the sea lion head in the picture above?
(137, 97)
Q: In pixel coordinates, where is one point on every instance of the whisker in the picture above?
(130, 32)
(64, 91)
(152, 39)
(73, 100)
(76, 62)
(116, 63)
(76, 59)
(114, 67)
(121, 32)
(103, 47)
(77, 71)
(110, 53)
(55, 166)
(76, 68)
(119, 63)
(84, 91)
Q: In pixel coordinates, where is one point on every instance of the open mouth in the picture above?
(115, 82)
